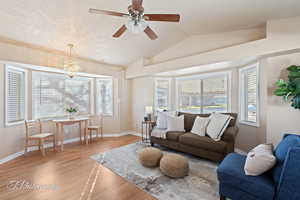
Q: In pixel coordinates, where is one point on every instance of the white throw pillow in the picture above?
(259, 160)
(217, 125)
(175, 123)
(161, 122)
(200, 125)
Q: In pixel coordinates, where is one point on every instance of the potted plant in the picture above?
(71, 111)
(290, 90)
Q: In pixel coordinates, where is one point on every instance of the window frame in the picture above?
(156, 79)
(243, 95)
(227, 76)
(22, 70)
(96, 96)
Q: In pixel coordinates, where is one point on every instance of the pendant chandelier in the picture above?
(70, 66)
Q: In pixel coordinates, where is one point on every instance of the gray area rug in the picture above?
(200, 184)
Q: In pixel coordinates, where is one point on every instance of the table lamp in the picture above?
(148, 112)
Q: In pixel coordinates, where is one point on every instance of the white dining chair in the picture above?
(95, 123)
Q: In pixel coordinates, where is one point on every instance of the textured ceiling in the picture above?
(55, 23)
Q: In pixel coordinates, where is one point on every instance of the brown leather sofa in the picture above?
(203, 147)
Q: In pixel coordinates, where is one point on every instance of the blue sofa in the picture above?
(280, 183)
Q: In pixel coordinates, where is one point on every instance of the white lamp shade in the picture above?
(136, 28)
(148, 109)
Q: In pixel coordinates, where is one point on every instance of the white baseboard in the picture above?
(20, 153)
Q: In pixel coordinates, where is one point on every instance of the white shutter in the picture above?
(104, 98)
(15, 95)
(162, 90)
(249, 95)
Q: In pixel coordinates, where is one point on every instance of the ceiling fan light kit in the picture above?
(137, 19)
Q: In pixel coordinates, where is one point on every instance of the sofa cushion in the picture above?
(281, 151)
(174, 136)
(231, 173)
(189, 119)
(203, 142)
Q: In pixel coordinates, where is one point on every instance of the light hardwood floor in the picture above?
(73, 172)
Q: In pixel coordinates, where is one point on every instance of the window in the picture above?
(190, 99)
(203, 94)
(162, 93)
(104, 98)
(15, 95)
(249, 88)
(215, 95)
(52, 93)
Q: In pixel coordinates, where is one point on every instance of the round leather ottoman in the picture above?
(174, 166)
(150, 157)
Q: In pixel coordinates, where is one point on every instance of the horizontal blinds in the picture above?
(48, 95)
(104, 100)
(15, 95)
(203, 95)
(53, 93)
(77, 94)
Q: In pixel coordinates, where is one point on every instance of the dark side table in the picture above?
(147, 127)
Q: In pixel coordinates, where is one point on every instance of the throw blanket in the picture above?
(159, 133)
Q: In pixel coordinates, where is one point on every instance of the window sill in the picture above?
(14, 124)
(254, 124)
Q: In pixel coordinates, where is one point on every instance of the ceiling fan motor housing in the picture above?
(136, 15)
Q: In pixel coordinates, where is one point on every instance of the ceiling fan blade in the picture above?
(137, 4)
(162, 17)
(120, 31)
(151, 34)
(106, 12)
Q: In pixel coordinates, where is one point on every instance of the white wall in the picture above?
(142, 96)
(12, 138)
(197, 44)
(281, 117)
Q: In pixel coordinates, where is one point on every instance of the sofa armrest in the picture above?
(230, 134)
(229, 137)
(288, 185)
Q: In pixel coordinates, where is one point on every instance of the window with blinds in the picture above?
(249, 94)
(162, 91)
(104, 98)
(53, 93)
(15, 95)
(203, 94)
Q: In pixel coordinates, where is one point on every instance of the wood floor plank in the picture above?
(76, 176)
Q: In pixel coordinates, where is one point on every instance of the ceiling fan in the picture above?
(137, 19)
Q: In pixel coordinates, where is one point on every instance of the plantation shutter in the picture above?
(104, 99)
(15, 98)
(251, 99)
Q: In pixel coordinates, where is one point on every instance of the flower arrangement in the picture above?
(71, 111)
(290, 90)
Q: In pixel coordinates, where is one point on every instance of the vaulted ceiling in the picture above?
(55, 23)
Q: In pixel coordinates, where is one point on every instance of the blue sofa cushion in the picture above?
(231, 174)
(281, 151)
